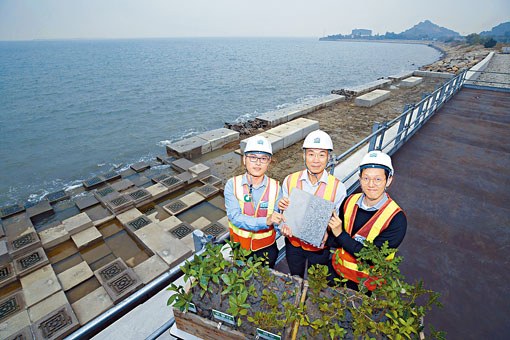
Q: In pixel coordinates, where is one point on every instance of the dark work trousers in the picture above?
(272, 254)
(297, 256)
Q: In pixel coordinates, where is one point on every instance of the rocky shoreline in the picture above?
(454, 58)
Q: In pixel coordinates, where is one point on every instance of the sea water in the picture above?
(71, 109)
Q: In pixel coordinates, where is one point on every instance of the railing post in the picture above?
(418, 115)
(409, 122)
(401, 124)
(385, 127)
(371, 145)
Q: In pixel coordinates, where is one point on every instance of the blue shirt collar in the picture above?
(324, 177)
(377, 206)
(245, 181)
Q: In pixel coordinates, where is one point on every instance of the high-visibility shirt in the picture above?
(325, 190)
(344, 263)
(254, 240)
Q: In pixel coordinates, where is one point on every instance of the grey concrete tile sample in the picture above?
(308, 216)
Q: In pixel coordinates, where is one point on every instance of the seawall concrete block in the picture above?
(479, 67)
(411, 81)
(308, 125)
(274, 118)
(276, 141)
(189, 147)
(401, 75)
(290, 133)
(219, 137)
(333, 99)
(364, 88)
(372, 98)
(444, 75)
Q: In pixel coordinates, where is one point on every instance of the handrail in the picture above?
(410, 120)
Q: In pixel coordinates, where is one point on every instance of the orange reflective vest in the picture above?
(344, 263)
(326, 191)
(254, 240)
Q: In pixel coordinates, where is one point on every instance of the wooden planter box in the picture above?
(210, 329)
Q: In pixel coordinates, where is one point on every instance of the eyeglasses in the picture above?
(378, 181)
(263, 159)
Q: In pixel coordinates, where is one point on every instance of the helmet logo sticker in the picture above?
(317, 140)
(260, 141)
(373, 154)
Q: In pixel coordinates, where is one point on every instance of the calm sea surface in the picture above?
(72, 109)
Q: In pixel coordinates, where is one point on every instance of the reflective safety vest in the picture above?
(344, 263)
(254, 240)
(326, 191)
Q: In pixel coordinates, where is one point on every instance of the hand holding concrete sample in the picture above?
(308, 216)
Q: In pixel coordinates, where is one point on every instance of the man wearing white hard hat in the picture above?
(251, 201)
(368, 216)
(315, 180)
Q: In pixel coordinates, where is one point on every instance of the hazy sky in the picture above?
(51, 19)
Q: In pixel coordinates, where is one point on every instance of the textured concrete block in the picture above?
(11, 304)
(13, 325)
(23, 244)
(157, 190)
(291, 134)
(200, 223)
(75, 275)
(122, 185)
(174, 183)
(57, 324)
(119, 204)
(40, 211)
(110, 176)
(86, 202)
(7, 274)
(39, 285)
(5, 257)
(110, 270)
(411, 81)
(11, 210)
(211, 180)
(30, 262)
(224, 221)
(105, 193)
(23, 334)
(122, 285)
(91, 305)
(57, 196)
(308, 216)
(77, 223)
(200, 170)
(189, 147)
(207, 190)
(53, 302)
(182, 164)
(93, 182)
(192, 199)
(140, 166)
(273, 118)
(53, 236)
(140, 196)
(372, 98)
(151, 268)
(128, 216)
(86, 237)
(169, 223)
(215, 229)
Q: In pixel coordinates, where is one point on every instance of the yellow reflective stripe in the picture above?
(329, 187)
(273, 195)
(293, 179)
(348, 264)
(238, 191)
(381, 220)
(249, 234)
(349, 210)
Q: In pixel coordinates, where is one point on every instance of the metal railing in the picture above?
(406, 125)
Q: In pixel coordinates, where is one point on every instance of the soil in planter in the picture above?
(278, 284)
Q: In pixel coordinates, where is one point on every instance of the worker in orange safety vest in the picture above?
(368, 216)
(315, 180)
(251, 201)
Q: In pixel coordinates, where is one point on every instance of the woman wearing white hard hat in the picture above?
(371, 215)
(315, 180)
(251, 201)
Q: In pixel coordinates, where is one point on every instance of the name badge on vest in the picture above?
(264, 204)
(360, 239)
(247, 198)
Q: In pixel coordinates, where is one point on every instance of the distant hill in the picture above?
(428, 30)
(502, 30)
(425, 30)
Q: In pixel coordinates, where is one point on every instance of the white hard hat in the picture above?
(318, 139)
(258, 144)
(376, 159)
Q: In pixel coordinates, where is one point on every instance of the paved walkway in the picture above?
(453, 182)
(498, 63)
